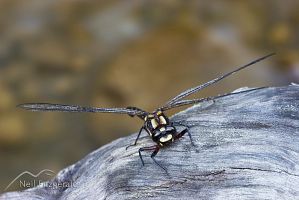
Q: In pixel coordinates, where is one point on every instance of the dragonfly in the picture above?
(157, 124)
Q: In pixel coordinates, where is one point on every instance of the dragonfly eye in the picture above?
(166, 138)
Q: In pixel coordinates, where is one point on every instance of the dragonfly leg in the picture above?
(156, 149)
(183, 132)
(136, 138)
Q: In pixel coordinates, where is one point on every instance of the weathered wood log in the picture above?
(247, 147)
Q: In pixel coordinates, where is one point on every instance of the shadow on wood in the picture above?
(247, 147)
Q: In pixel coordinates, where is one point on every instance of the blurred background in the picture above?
(121, 53)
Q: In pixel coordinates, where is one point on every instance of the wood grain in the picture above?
(247, 147)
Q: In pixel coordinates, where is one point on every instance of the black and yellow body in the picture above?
(160, 129)
(158, 126)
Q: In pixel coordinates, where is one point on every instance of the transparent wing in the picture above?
(194, 101)
(76, 108)
(200, 87)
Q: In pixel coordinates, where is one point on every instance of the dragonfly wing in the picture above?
(194, 101)
(202, 86)
(76, 108)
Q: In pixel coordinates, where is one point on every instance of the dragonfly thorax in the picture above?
(159, 128)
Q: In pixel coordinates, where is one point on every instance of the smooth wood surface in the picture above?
(247, 147)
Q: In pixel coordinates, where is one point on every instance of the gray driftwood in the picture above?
(247, 147)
